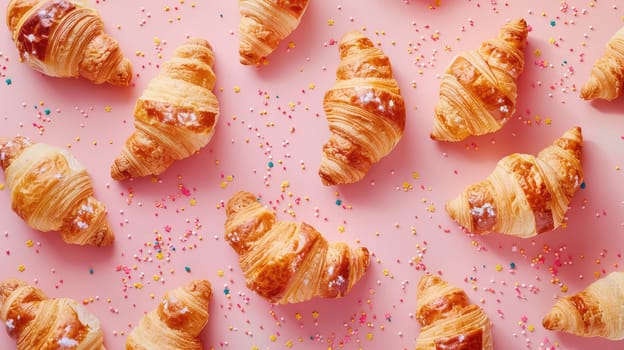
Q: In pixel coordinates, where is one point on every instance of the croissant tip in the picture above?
(199, 42)
(122, 74)
(553, 322)
(7, 287)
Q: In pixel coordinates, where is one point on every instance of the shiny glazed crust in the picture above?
(365, 112)
(524, 195)
(52, 191)
(37, 322)
(447, 318)
(478, 90)
(63, 38)
(175, 116)
(264, 24)
(177, 321)
(287, 262)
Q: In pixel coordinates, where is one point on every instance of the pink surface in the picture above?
(397, 211)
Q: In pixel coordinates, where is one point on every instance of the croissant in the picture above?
(63, 38)
(478, 90)
(264, 24)
(524, 195)
(177, 321)
(287, 262)
(37, 322)
(607, 74)
(448, 320)
(175, 116)
(51, 191)
(594, 312)
(364, 109)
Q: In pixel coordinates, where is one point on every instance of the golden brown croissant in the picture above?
(177, 321)
(287, 262)
(364, 109)
(264, 24)
(607, 75)
(175, 116)
(594, 312)
(448, 320)
(478, 90)
(52, 191)
(524, 195)
(63, 38)
(37, 322)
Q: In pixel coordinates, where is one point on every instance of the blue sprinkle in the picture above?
(8, 81)
(583, 185)
(338, 202)
(512, 265)
(553, 23)
(226, 291)
(271, 164)
(47, 112)
(91, 271)
(187, 268)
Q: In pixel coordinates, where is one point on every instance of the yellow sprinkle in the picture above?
(224, 184)
(330, 22)
(289, 344)
(193, 202)
(551, 40)
(220, 273)
(108, 108)
(341, 229)
(156, 40)
(431, 208)
(21, 268)
(2, 187)
(159, 256)
(311, 86)
(499, 267)
(138, 285)
(386, 272)
(564, 288)
(291, 45)
(236, 89)
(315, 314)
(369, 336)
(298, 316)
(254, 348)
(229, 178)
(547, 121)
(156, 278)
(537, 52)
(531, 328)
(273, 337)
(285, 184)
(167, 9)
(597, 274)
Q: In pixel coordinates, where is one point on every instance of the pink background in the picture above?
(277, 116)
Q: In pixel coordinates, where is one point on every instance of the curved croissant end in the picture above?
(52, 191)
(64, 323)
(177, 321)
(63, 38)
(524, 195)
(478, 91)
(594, 312)
(364, 109)
(264, 24)
(175, 116)
(287, 262)
(447, 318)
(606, 80)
